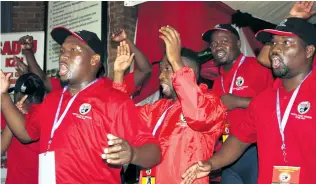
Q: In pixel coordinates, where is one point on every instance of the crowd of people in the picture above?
(83, 127)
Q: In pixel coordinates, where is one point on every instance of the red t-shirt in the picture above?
(81, 138)
(259, 124)
(251, 79)
(22, 161)
(55, 83)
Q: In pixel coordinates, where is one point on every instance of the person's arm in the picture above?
(27, 50)
(131, 141)
(232, 101)
(14, 118)
(263, 57)
(6, 138)
(143, 67)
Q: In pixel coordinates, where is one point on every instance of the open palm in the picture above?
(124, 58)
(302, 9)
(4, 81)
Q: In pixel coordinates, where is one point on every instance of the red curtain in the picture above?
(190, 19)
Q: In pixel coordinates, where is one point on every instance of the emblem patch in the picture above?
(240, 81)
(84, 108)
(303, 107)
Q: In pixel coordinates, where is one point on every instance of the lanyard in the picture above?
(233, 80)
(57, 121)
(282, 122)
(160, 120)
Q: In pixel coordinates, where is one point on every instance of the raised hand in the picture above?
(119, 151)
(123, 59)
(20, 67)
(118, 35)
(302, 9)
(173, 44)
(26, 42)
(4, 82)
(197, 170)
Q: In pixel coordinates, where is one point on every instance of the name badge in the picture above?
(286, 175)
(46, 170)
(148, 176)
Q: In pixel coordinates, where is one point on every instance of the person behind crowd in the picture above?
(134, 80)
(22, 164)
(280, 119)
(75, 124)
(241, 78)
(187, 121)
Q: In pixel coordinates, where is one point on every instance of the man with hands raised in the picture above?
(72, 123)
(188, 121)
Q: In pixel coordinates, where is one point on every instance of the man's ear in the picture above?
(310, 51)
(238, 43)
(95, 59)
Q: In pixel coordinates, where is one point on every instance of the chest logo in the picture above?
(240, 81)
(285, 177)
(84, 108)
(303, 107)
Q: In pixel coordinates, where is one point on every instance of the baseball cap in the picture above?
(222, 27)
(29, 84)
(60, 33)
(290, 27)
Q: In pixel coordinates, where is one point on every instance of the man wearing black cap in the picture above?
(76, 124)
(29, 92)
(282, 118)
(241, 78)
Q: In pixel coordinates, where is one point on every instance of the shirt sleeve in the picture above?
(55, 83)
(32, 121)
(245, 128)
(130, 84)
(203, 110)
(130, 126)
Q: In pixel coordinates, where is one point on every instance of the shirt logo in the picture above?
(285, 177)
(182, 122)
(84, 108)
(282, 24)
(303, 107)
(148, 171)
(240, 81)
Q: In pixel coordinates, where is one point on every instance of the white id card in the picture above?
(46, 170)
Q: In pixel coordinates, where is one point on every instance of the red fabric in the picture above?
(55, 83)
(22, 163)
(185, 142)
(183, 17)
(209, 70)
(81, 138)
(256, 79)
(130, 83)
(259, 124)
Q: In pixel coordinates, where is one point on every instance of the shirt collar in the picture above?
(235, 65)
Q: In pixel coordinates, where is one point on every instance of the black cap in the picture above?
(219, 27)
(290, 27)
(60, 33)
(29, 84)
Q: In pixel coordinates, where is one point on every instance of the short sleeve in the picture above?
(245, 127)
(55, 83)
(129, 125)
(32, 122)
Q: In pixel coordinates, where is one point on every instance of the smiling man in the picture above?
(241, 78)
(76, 124)
(282, 118)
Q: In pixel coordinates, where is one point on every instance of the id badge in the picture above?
(286, 175)
(46, 170)
(148, 176)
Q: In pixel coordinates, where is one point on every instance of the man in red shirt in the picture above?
(280, 119)
(29, 92)
(134, 80)
(74, 125)
(241, 78)
(188, 121)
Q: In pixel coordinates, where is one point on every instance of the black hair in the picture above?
(30, 84)
(193, 57)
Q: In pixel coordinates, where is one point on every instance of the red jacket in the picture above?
(190, 128)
